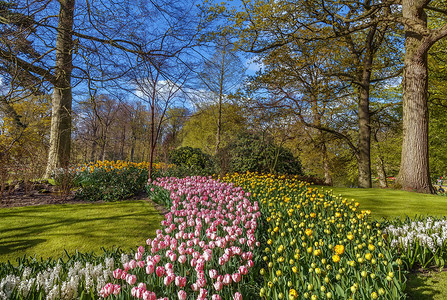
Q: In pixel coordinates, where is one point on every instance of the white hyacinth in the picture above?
(50, 280)
(430, 234)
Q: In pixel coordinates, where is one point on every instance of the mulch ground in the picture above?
(34, 198)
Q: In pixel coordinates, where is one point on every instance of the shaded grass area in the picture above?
(45, 231)
(427, 286)
(389, 204)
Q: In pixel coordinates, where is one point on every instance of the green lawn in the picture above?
(45, 231)
(388, 203)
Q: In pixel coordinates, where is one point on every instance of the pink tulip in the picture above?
(216, 297)
(180, 281)
(169, 279)
(116, 289)
(194, 287)
(160, 271)
(250, 263)
(236, 277)
(123, 275)
(132, 264)
(201, 282)
(243, 270)
(138, 255)
(227, 279)
(213, 273)
(203, 293)
(117, 273)
(141, 264)
(181, 295)
(182, 259)
(149, 296)
(131, 279)
(237, 296)
(126, 266)
(218, 285)
(150, 268)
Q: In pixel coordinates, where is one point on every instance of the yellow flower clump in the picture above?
(318, 244)
(120, 164)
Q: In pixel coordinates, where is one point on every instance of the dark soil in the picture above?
(26, 199)
(18, 194)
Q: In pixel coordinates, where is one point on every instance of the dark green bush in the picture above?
(110, 185)
(191, 158)
(250, 152)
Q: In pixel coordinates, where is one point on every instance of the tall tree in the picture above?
(93, 45)
(414, 172)
(60, 133)
(257, 21)
(222, 74)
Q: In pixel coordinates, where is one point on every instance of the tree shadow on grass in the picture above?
(421, 287)
(19, 245)
(70, 225)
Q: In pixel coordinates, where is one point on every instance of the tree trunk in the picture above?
(380, 167)
(364, 147)
(326, 168)
(60, 133)
(414, 169)
(219, 108)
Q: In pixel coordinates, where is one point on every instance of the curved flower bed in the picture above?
(204, 250)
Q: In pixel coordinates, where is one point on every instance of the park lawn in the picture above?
(389, 203)
(46, 231)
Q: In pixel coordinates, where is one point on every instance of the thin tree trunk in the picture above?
(60, 134)
(326, 168)
(219, 109)
(381, 173)
(414, 170)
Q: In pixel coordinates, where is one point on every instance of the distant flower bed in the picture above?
(120, 165)
(112, 180)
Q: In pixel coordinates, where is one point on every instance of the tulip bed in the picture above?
(320, 246)
(205, 248)
(243, 236)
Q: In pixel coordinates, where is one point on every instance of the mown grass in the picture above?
(46, 231)
(389, 204)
